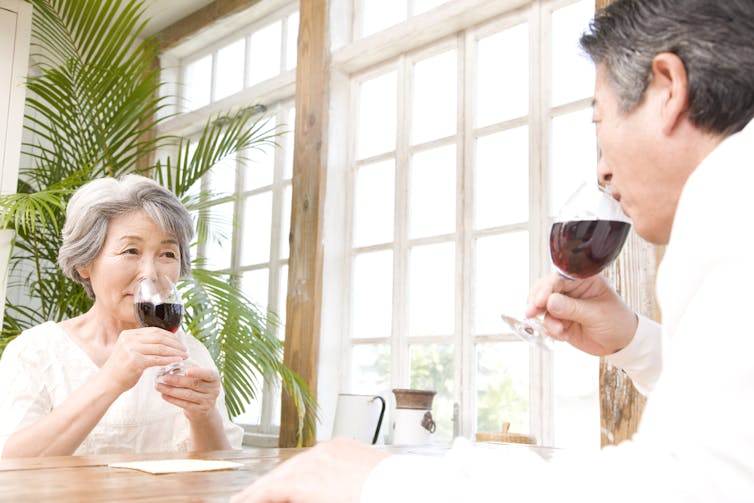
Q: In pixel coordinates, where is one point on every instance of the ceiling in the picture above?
(163, 13)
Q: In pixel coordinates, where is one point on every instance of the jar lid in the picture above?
(413, 398)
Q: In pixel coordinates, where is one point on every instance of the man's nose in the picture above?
(603, 172)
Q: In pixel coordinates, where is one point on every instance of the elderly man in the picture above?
(674, 101)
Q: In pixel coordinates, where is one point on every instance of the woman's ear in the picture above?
(670, 85)
(83, 272)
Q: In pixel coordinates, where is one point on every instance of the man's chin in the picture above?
(654, 234)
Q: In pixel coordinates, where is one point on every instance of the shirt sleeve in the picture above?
(642, 358)
(23, 397)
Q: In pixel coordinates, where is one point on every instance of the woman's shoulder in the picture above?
(34, 340)
(39, 334)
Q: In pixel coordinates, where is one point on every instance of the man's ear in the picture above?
(671, 87)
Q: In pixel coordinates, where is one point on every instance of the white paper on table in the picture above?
(177, 465)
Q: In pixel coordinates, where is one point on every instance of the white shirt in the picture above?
(695, 442)
(41, 367)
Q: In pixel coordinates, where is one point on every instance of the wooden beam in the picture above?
(308, 196)
(199, 20)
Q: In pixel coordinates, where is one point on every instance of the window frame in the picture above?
(277, 95)
(464, 22)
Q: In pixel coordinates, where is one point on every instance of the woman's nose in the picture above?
(148, 270)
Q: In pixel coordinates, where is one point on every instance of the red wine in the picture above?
(582, 248)
(166, 316)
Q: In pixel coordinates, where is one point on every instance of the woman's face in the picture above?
(135, 247)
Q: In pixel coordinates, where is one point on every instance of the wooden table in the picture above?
(84, 479)
(87, 479)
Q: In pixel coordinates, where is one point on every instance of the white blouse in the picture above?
(42, 366)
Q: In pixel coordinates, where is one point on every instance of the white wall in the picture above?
(15, 33)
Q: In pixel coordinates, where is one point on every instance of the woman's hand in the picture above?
(587, 313)
(138, 349)
(196, 392)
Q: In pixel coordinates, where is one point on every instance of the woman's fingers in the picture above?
(196, 392)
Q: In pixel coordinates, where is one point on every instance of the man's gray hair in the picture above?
(713, 38)
(96, 203)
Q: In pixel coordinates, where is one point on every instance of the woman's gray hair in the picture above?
(96, 203)
(714, 39)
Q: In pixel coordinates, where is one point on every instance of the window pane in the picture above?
(373, 204)
(501, 178)
(432, 199)
(264, 53)
(370, 369)
(572, 71)
(421, 6)
(259, 168)
(255, 285)
(503, 76)
(291, 45)
(432, 290)
(285, 223)
(193, 192)
(573, 156)
(502, 384)
(432, 369)
(372, 295)
(218, 248)
(434, 98)
(501, 280)
(577, 408)
(257, 224)
(197, 84)
(230, 68)
(377, 116)
(222, 176)
(379, 14)
(252, 413)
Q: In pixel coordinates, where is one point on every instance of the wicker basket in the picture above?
(504, 436)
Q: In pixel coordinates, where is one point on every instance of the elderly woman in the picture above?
(87, 385)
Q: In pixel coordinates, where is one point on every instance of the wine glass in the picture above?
(158, 303)
(586, 236)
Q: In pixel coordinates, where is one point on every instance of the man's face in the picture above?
(637, 161)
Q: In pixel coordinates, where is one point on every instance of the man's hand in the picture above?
(587, 313)
(331, 472)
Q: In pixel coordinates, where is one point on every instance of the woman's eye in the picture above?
(131, 251)
(171, 254)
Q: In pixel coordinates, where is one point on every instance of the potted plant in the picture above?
(93, 107)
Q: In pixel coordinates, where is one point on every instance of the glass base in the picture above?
(530, 330)
(174, 369)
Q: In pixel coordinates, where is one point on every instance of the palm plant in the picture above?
(93, 108)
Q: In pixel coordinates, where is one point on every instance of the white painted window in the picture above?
(468, 125)
(251, 62)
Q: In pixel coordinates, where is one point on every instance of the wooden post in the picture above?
(308, 195)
